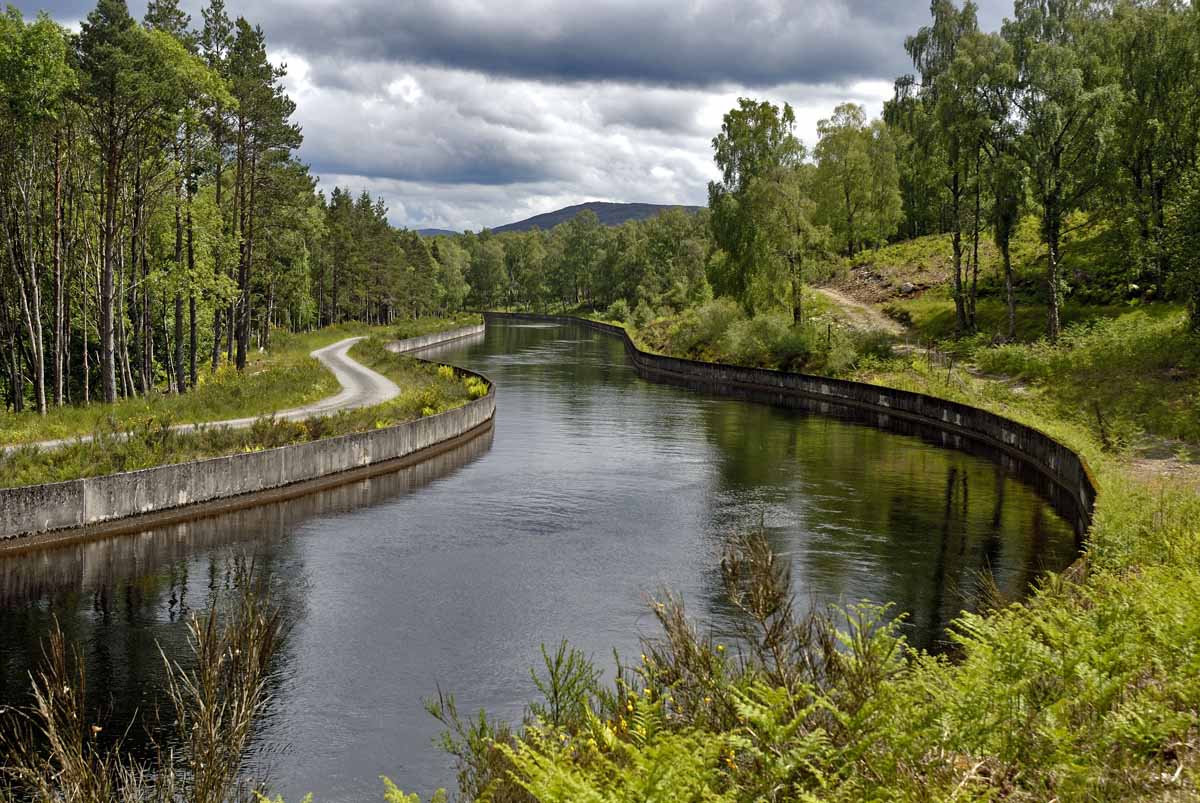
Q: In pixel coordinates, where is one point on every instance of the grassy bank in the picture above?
(720, 331)
(428, 326)
(138, 443)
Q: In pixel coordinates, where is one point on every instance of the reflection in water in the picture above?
(597, 488)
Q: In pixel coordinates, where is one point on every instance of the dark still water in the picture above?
(595, 488)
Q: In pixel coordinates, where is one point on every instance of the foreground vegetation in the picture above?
(137, 443)
(54, 752)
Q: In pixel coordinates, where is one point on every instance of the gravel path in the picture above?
(860, 315)
(361, 387)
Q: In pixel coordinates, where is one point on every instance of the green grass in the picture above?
(281, 378)
(1094, 265)
(932, 317)
(1118, 370)
(720, 331)
(1137, 371)
(427, 326)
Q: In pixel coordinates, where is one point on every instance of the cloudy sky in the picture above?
(472, 113)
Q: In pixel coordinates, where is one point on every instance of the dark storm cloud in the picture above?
(754, 42)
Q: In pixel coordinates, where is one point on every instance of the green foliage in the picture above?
(476, 387)
(757, 140)
(618, 311)
(418, 327)
(1115, 376)
(857, 183)
(569, 682)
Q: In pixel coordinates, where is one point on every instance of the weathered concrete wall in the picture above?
(436, 339)
(93, 500)
(1037, 450)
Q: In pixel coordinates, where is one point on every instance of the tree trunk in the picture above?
(960, 309)
(218, 253)
(1052, 229)
(180, 376)
(797, 292)
(193, 374)
(972, 321)
(108, 360)
(1009, 293)
(59, 323)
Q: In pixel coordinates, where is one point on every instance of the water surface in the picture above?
(595, 488)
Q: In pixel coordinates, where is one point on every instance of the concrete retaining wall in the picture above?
(77, 503)
(1035, 449)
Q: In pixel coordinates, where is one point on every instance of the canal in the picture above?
(594, 489)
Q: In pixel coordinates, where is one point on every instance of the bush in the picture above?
(618, 311)
(755, 341)
(700, 330)
(796, 348)
(643, 315)
(875, 344)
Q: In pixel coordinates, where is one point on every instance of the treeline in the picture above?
(155, 217)
(1078, 112)
(658, 263)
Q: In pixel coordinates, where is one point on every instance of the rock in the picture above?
(908, 288)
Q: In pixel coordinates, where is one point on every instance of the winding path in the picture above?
(361, 387)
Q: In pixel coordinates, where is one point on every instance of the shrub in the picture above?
(476, 387)
(700, 330)
(643, 315)
(875, 344)
(754, 341)
(618, 311)
(795, 348)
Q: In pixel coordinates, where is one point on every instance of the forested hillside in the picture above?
(156, 218)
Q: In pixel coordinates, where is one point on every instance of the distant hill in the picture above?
(437, 232)
(610, 214)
